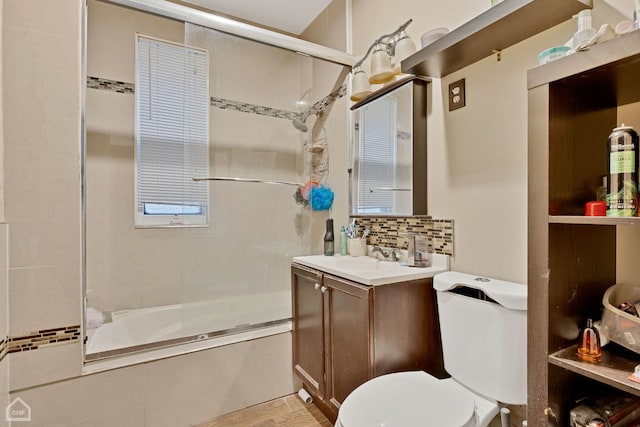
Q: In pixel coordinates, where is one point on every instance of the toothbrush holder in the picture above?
(357, 246)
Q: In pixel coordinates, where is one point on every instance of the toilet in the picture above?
(483, 324)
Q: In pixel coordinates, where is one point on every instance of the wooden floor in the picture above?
(288, 411)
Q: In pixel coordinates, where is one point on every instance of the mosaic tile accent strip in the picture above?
(3, 347)
(110, 85)
(385, 230)
(244, 107)
(43, 338)
(319, 106)
(227, 104)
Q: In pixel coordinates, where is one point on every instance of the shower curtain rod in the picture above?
(226, 25)
(260, 181)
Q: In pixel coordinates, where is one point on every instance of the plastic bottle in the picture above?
(328, 238)
(343, 241)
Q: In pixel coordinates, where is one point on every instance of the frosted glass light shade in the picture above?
(360, 87)
(404, 48)
(381, 71)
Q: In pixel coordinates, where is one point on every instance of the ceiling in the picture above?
(291, 16)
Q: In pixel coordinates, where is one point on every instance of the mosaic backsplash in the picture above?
(39, 339)
(384, 232)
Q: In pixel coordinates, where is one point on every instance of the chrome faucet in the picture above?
(417, 251)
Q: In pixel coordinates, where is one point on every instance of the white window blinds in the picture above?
(377, 156)
(172, 134)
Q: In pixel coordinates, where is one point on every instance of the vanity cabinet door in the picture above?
(308, 328)
(348, 337)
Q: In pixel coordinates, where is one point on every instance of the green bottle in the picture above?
(343, 241)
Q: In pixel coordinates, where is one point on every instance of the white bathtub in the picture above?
(206, 323)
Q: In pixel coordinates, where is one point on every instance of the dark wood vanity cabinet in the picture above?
(345, 333)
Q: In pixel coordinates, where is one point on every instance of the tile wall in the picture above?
(385, 232)
(42, 146)
(4, 330)
(41, 345)
(173, 392)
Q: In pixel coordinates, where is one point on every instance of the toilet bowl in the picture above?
(485, 315)
(415, 399)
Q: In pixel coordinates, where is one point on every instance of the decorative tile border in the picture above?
(384, 231)
(110, 85)
(42, 338)
(227, 104)
(3, 347)
(244, 107)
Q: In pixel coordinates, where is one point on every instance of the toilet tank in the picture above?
(483, 325)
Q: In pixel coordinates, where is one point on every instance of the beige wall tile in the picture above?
(45, 242)
(47, 189)
(105, 399)
(44, 365)
(4, 289)
(260, 384)
(34, 15)
(4, 390)
(218, 381)
(42, 87)
(111, 38)
(173, 392)
(44, 298)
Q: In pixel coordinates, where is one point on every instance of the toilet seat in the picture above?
(412, 399)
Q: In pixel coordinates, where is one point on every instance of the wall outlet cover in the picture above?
(456, 95)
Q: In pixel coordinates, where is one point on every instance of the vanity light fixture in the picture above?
(388, 52)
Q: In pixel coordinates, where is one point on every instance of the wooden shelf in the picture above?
(388, 88)
(500, 27)
(614, 369)
(592, 220)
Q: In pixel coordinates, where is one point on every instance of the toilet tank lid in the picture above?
(508, 294)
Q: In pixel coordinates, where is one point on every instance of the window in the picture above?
(172, 134)
(377, 157)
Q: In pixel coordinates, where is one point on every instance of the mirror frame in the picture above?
(419, 142)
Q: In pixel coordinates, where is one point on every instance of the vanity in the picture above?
(355, 318)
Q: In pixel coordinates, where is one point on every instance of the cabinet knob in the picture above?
(317, 286)
(323, 289)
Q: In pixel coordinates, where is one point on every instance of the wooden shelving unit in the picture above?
(613, 369)
(574, 103)
(500, 27)
(592, 220)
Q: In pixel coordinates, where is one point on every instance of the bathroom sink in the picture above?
(370, 271)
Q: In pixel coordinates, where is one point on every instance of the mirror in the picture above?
(389, 150)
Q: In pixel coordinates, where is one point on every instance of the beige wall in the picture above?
(477, 168)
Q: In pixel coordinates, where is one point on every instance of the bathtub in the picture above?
(147, 333)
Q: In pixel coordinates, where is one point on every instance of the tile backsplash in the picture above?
(385, 230)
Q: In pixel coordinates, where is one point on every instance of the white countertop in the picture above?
(370, 271)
